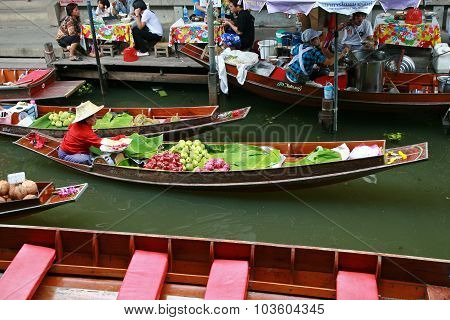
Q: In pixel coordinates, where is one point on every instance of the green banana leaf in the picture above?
(319, 155)
(45, 123)
(109, 121)
(142, 147)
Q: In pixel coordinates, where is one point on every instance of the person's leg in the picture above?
(80, 158)
(151, 38)
(139, 42)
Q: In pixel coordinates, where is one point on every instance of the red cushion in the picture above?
(342, 81)
(34, 76)
(228, 280)
(279, 74)
(356, 286)
(145, 276)
(25, 273)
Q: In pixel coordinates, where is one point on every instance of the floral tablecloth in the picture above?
(115, 32)
(425, 35)
(196, 32)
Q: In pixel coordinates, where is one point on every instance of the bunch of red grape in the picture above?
(165, 161)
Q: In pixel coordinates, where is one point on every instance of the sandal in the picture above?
(75, 58)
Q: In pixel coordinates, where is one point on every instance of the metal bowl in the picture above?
(407, 65)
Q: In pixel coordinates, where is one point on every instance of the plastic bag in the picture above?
(360, 152)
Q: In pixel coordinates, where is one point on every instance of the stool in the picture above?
(162, 48)
(110, 49)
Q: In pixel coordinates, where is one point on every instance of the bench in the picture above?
(25, 273)
(228, 280)
(162, 48)
(356, 286)
(145, 276)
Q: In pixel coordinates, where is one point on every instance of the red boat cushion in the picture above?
(279, 74)
(342, 81)
(228, 280)
(34, 76)
(145, 276)
(25, 273)
(356, 286)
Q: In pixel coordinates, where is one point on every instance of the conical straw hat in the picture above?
(85, 110)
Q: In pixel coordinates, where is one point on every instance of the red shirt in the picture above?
(79, 139)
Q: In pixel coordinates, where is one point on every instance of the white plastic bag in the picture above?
(363, 151)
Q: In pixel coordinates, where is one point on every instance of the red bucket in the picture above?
(130, 55)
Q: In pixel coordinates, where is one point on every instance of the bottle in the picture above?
(185, 15)
(222, 12)
(32, 111)
(328, 91)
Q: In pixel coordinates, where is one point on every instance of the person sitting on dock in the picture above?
(243, 29)
(80, 136)
(303, 66)
(122, 7)
(68, 36)
(357, 31)
(148, 30)
(103, 9)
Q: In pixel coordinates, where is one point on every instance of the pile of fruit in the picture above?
(165, 161)
(20, 191)
(143, 120)
(61, 119)
(216, 164)
(193, 154)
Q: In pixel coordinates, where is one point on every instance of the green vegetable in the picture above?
(319, 155)
(109, 120)
(142, 147)
(395, 137)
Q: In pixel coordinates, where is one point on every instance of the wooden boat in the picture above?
(48, 198)
(290, 176)
(277, 88)
(34, 84)
(446, 121)
(193, 120)
(92, 265)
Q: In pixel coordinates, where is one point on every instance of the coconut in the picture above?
(30, 186)
(2, 200)
(4, 188)
(30, 196)
(17, 191)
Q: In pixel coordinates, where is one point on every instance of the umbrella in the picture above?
(346, 7)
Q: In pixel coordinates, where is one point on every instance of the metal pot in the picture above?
(367, 70)
(444, 84)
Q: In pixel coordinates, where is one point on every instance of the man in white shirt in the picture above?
(148, 30)
(356, 31)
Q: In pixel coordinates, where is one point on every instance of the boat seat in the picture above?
(356, 286)
(25, 273)
(228, 280)
(33, 76)
(145, 276)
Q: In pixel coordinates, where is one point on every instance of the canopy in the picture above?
(346, 7)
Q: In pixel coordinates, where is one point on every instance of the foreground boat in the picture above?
(83, 264)
(286, 176)
(190, 120)
(34, 84)
(277, 88)
(48, 197)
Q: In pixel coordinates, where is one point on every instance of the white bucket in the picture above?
(267, 48)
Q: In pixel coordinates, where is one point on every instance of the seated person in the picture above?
(148, 30)
(103, 9)
(243, 29)
(357, 30)
(306, 56)
(80, 136)
(122, 7)
(199, 11)
(68, 36)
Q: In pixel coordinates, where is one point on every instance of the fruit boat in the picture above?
(34, 84)
(48, 197)
(191, 120)
(84, 264)
(275, 87)
(284, 176)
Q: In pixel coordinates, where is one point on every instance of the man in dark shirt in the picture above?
(243, 28)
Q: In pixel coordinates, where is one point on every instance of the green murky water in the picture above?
(403, 211)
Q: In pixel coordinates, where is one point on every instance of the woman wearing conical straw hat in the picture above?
(80, 136)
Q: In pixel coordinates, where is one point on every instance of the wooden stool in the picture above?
(162, 48)
(110, 49)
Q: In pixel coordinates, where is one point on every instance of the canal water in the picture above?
(402, 211)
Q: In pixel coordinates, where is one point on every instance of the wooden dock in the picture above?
(148, 69)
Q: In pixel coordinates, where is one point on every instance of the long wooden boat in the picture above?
(277, 88)
(193, 120)
(34, 84)
(446, 121)
(48, 198)
(288, 176)
(92, 265)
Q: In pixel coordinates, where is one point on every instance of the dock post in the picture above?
(326, 116)
(49, 53)
(336, 75)
(212, 75)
